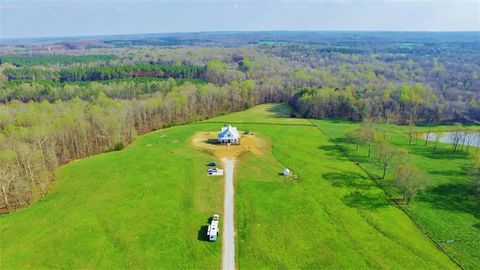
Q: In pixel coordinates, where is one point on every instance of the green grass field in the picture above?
(144, 207)
(448, 209)
(334, 217)
(141, 207)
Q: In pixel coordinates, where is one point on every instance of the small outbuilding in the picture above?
(229, 135)
(286, 172)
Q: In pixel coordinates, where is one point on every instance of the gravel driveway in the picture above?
(228, 248)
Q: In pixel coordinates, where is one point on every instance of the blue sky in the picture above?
(19, 19)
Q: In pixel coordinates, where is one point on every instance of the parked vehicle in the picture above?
(213, 230)
(215, 171)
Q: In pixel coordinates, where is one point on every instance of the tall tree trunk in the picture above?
(427, 137)
(410, 136)
(5, 198)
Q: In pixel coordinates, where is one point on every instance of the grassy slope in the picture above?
(143, 207)
(334, 217)
(262, 114)
(448, 209)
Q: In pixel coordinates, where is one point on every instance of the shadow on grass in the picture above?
(455, 197)
(333, 151)
(340, 149)
(448, 173)
(362, 200)
(340, 121)
(477, 226)
(202, 233)
(361, 159)
(339, 141)
(440, 153)
(280, 110)
(331, 148)
(349, 179)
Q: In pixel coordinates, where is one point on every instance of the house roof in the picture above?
(228, 129)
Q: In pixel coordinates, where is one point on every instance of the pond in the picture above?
(451, 137)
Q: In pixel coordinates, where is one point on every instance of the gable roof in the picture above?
(228, 129)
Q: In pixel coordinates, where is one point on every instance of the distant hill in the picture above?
(242, 38)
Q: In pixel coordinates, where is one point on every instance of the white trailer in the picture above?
(213, 230)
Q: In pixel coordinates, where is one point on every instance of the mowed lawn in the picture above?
(144, 207)
(268, 113)
(333, 217)
(449, 208)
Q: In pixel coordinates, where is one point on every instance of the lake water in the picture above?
(471, 138)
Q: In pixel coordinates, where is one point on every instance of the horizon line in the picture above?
(234, 32)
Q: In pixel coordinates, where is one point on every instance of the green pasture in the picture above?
(147, 207)
(449, 208)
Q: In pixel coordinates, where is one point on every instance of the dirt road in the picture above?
(228, 248)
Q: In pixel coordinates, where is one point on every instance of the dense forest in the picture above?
(59, 106)
(54, 59)
(108, 72)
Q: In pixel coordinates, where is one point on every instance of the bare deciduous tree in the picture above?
(410, 181)
(386, 154)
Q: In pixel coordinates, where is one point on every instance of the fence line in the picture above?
(390, 196)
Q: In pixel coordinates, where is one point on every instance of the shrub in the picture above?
(119, 146)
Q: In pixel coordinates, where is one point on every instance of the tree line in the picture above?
(52, 91)
(403, 104)
(107, 72)
(56, 59)
(36, 137)
(408, 178)
(404, 90)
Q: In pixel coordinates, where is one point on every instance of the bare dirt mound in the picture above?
(248, 143)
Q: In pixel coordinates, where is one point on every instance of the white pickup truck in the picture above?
(213, 230)
(214, 171)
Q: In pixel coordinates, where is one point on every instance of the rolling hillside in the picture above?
(145, 207)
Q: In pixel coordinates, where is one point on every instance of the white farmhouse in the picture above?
(228, 135)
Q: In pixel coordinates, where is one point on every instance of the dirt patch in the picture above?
(248, 143)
